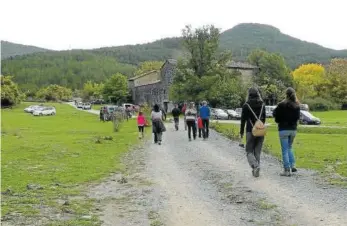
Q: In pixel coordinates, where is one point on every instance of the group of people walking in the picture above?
(253, 117)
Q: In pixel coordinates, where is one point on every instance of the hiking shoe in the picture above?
(285, 173)
(256, 172)
(294, 170)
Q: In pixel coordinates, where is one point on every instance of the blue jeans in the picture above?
(287, 139)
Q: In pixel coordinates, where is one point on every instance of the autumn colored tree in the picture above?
(309, 79)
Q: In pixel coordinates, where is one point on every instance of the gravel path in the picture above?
(210, 183)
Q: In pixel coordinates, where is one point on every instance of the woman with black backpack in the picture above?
(253, 112)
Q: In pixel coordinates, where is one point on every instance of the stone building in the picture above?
(153, 87)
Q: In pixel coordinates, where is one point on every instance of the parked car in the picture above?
(219, 114)
(306, 118)
(31, 108)
(233, 114)
(79, 105)
(44, 111)
(269, 111)
(238, 111)
(304, 107)
(86, 106)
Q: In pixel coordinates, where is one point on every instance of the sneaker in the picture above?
(285, 173)
(294, 170)
(159, 142)
(190, 139)
(194, 138)
(256, 172)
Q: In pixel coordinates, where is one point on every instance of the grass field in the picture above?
(60, 154)
(322, 149)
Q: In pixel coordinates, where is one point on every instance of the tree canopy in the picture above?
(116, 88)
(10, 94)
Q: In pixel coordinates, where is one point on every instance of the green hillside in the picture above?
(68, 68)
(73, 68)
(9, 49)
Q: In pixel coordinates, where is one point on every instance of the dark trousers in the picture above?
(253, 149)
(176, 120)
(191, 126)
(141, 129)
(205, 130)
(200, 131)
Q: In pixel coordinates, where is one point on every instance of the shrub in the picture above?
(321, 104)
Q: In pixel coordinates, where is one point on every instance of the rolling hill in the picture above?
(9, 49)
(74, 67)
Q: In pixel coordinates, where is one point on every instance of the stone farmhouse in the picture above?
(153, 86)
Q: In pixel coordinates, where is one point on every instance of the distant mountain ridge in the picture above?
(9, 49)
(34, 67)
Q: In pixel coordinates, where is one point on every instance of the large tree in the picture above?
(273, 75)
(92, 90)
(337, 80)
(10, 94)
(203, 71)
(309, 79)
(116, 88)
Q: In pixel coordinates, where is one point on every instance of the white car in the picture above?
(79, 105)
(86, 106)
(269, 111)
(45, 111)
(31, 108)
(233, 114)
(220, 114)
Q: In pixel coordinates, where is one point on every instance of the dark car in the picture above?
(306, 118)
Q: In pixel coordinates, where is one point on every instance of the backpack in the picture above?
(259, 129)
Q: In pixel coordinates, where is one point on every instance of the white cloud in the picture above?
(58, 24)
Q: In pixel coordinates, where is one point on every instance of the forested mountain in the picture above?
(73, 68)
(67, 68)
(9, 49)
(244, 38)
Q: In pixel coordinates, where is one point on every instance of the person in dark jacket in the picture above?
(157, 124)
(253, 144)
(176, 115)
(287, 115)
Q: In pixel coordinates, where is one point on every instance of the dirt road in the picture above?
(208, 183)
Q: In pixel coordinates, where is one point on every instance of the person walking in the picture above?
(184, 113)
(191, 114)
(205, 113)
(157, 124)
(200, 125)
(253, 112)
(287, 115)
(141, 121)
(176, 116)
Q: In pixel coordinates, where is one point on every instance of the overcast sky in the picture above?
(61, 24)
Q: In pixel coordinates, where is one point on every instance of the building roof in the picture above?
(240, 65)
(172, 61)
(149, 83)
(142, 75)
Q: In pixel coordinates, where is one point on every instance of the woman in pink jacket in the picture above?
(141, 122)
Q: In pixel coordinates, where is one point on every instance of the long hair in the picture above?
(156, 108)
(291, 98)
(140, 113)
